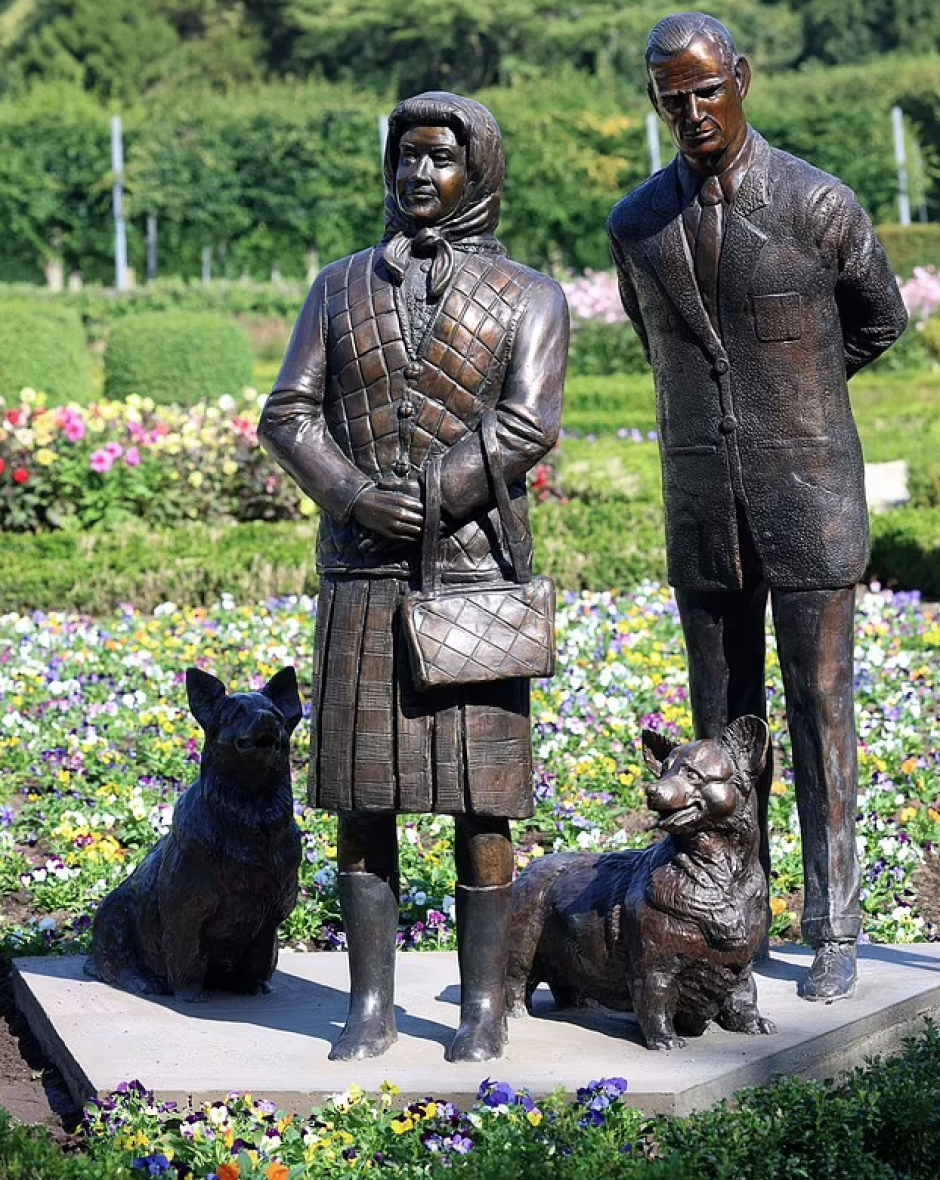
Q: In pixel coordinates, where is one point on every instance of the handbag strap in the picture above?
(430, 541)
(494, 462)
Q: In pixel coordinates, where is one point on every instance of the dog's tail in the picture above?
(531, 901)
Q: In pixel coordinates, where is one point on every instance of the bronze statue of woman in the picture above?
(397, 354)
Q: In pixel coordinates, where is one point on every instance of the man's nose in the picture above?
(694, 110)
(423, 168)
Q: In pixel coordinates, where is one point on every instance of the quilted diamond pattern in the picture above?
(472, 636)
(460, 360)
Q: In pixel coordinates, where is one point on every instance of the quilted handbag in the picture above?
(477, 633)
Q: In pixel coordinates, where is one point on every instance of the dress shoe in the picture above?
(832, 975)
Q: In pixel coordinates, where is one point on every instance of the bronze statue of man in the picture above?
(398, 352)
(758, 288)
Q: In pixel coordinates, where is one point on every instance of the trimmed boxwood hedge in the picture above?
(43, 347)
(609, 544)
(177, 356)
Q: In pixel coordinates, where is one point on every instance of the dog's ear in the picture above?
(206, 692)
(283, 693)
(746, 741)
(656, 749)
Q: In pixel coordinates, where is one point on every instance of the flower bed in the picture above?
(97, 743)
(78, 466)
(247, 1138)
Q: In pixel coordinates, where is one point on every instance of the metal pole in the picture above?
(120, 230)
(652, 140)
(900, 159)
(921, 183)
(383, 133)
(151, 249)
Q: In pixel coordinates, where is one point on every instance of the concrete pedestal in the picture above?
(276, 1046)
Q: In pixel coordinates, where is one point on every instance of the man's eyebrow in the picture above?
(704, 84)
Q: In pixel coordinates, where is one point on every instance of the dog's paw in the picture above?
(665, 1042)
(256, 987)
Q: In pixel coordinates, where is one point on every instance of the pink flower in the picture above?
(101, 461)
(132, 457)
(114, 449)
(74, 430)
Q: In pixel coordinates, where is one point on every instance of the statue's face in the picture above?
(431, 174)
(701, 100)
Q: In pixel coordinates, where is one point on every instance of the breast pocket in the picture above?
(778, 317)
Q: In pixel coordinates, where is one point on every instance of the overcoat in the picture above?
(755, 417)
(376, 378)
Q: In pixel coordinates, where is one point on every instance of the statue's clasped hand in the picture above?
(398, 515)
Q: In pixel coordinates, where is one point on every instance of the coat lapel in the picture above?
(668, 253)
(742, 240)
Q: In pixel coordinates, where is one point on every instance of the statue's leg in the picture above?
(367, 855)
(484, 909)
(815, 638)
(739, 1012)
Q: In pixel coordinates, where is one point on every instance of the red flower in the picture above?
(3, 466)
(20, 475)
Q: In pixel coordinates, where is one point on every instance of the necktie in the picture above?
(708, 245)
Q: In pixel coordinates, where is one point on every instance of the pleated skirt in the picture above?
(380, 744)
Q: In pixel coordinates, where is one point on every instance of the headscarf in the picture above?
(471, 225)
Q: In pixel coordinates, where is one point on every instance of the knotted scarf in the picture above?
(470, 226)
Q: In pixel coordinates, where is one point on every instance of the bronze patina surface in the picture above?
(669, 932)
(398, 353)
(758, 288)
(201, 911)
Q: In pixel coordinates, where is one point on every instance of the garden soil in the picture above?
(31, 1089)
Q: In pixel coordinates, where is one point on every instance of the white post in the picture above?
(383, 133)
(652, 140)
(900, 159)
(120, 230)
(151, 249)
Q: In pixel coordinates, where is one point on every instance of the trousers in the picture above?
(725, 643)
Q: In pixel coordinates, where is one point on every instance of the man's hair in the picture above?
(677, 32)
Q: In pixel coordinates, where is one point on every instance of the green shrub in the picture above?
(43, 348)
(604, 350)
(930, 335)
(905, 550)
(30, 1153)
(908, 246)
(175, 356)
(94, 572)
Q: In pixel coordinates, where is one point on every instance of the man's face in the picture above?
(701, 100)
(431, 174)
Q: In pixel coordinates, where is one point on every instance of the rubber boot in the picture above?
(483, 915)
(370, 914)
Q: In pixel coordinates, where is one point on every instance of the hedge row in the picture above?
(911, 245)
(268, 177)
(610, 544)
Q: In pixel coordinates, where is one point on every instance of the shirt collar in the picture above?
(730, 177)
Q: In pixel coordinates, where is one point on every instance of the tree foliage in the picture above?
(122, 48)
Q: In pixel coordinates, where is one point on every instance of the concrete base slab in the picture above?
(276, 1046)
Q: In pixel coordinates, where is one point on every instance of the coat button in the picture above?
(406, 409)
(728, 424)
(412, 370)
(721, 366)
